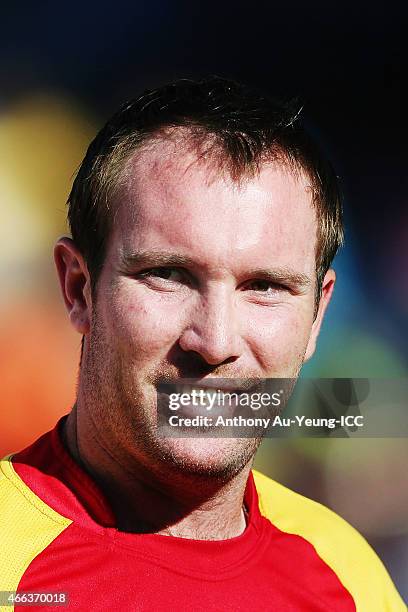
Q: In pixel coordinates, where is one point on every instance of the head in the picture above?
(204, 221)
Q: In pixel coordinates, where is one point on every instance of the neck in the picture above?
(186, 506)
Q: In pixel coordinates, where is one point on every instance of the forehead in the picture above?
(173, 198)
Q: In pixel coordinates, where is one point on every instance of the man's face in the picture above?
(204, 277)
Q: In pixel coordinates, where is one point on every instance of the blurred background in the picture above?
(65, 67)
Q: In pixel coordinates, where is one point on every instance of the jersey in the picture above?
(58, 536)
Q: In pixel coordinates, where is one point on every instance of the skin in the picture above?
(236, 299)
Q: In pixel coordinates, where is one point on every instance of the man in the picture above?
(204, 222)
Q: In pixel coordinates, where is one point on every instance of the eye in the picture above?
(175, 275)
(264, 286)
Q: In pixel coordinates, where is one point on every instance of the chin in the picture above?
(217, 458)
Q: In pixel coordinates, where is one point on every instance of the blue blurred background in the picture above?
(65, 67)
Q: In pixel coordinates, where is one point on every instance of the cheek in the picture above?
(279, 337)
(142, 325)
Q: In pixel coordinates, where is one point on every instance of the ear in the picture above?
(327, 292)
(75, 283)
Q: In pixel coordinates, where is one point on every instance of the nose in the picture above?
(212, 329)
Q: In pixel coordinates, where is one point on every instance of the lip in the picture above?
(182, 386)
(210, 385)
(215, 384)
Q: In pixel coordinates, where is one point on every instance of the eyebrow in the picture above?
(283, 276)
(129, 261)
(134, 259)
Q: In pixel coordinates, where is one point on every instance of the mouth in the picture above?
(211, 386)
(213, 397)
